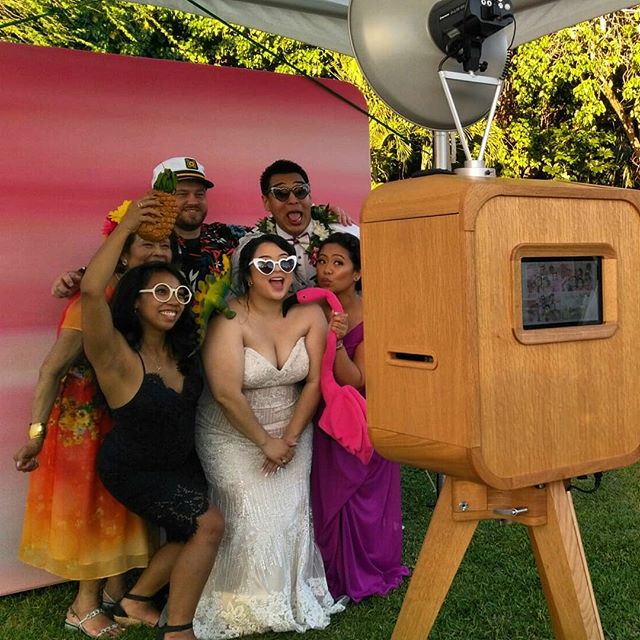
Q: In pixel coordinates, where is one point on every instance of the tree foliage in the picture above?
(132, 29)
(570, 109)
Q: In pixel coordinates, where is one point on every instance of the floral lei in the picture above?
(113, 218)
(322, 218)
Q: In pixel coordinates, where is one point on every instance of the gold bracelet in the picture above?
(37, 430)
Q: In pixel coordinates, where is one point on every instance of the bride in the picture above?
(254, 440)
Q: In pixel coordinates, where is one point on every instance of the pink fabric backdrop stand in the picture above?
(81, 132)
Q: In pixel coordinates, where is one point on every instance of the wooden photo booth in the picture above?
(502, 328)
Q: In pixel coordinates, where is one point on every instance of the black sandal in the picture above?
(123, 618)
(172, 629)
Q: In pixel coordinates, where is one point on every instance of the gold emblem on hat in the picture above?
(190, 163)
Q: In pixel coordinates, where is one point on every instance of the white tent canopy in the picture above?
(323, 23)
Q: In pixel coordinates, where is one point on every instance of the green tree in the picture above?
(571, 106)
(569, 110)
(125, 28)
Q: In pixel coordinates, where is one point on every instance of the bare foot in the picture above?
(114, 589)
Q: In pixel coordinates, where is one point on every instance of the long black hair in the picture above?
(351, 244)
(181, 338)
(248, 252)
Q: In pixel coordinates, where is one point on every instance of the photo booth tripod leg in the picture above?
(547, 512)
(444, 547)
(559, 554)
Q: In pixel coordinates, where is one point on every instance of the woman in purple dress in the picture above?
(356, 507)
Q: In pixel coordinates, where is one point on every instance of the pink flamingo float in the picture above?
(345, 414)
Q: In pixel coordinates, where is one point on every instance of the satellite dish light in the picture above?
(438, 64)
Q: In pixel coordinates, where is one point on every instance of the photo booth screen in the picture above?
(561, 291)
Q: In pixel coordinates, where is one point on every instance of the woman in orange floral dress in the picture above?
(73, 527)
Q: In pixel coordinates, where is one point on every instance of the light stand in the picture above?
(472, 167)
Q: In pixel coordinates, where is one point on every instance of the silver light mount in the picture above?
(459, 28)
(472, 167)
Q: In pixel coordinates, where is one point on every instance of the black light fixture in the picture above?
(460, 27)
(403, 61)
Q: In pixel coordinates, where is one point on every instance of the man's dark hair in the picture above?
(181, 338)
(280, 166)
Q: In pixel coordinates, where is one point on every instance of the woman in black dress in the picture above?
(140, 351)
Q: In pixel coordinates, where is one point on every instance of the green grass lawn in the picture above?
(495, 596)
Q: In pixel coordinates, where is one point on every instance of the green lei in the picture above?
(322, 219)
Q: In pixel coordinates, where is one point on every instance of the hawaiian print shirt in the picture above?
(202, 256)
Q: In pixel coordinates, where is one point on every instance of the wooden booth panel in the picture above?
(416, 275)
(455, 383)
(560, 408)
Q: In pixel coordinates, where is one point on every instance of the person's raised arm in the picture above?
(346, 370)
(223, 359)
(104, 346)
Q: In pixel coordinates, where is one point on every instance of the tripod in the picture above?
(547, 511)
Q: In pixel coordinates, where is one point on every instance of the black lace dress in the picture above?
(148, 461)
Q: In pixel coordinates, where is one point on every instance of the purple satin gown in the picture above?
(356, 514)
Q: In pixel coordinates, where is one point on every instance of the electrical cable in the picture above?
(597, 481)
(280, 56)
(240, 32)
(51, 12)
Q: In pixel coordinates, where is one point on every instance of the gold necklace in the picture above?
(158, 365)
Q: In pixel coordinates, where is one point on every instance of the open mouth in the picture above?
(277, 283)
(295, 217)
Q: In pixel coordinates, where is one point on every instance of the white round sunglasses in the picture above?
(162, 292)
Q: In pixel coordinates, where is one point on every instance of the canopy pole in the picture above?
(441, 151)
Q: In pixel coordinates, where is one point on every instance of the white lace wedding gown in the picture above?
(268, 574)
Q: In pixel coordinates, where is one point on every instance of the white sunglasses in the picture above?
(162, 292)
(267, 266)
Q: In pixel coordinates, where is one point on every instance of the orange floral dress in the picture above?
(73, 527)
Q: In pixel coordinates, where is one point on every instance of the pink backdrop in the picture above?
(81, 132)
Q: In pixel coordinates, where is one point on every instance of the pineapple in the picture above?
(164, 187)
